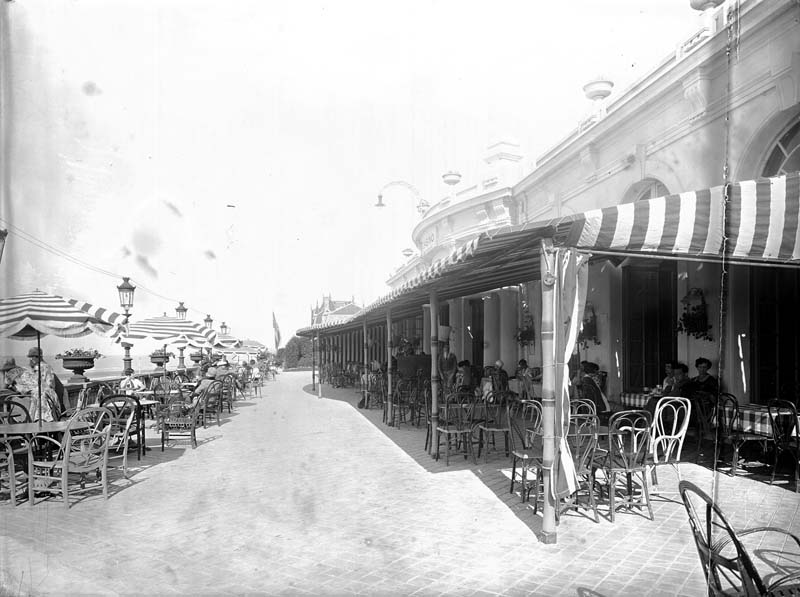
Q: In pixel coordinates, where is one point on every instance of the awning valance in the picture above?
(751, 221)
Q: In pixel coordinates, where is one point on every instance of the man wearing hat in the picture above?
(28, 383)
(10, 373)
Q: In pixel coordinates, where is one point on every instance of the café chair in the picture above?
(126, 423)
(228, 395)
(12, 480)
(12, 411)
(528, 454)
(53, 466)
(670, 422)
(729, 427)
(704, 405)
(726, 563)
(498, 417)
(211, 402)
(628, 449)
(582, 406)
(180, 419)
(783, 416)
(582, 442)
(455, 424)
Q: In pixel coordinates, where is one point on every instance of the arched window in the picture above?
(785, 156)
(649, 188)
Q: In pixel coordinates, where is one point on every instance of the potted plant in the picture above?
(196, 357)
(160, 357)
(694, 319)
(588, 332)
(78, 360)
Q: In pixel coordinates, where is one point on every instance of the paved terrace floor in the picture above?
(295, 495)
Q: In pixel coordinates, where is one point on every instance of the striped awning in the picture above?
(756, 221)
(25, 315)
(173, 331)
(227, 341)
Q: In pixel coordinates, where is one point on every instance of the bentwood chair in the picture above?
(13, 479)
(726, 563)
(670, 422)
(729, 428)
(229, 388)
(627, 455)
(582, 442)
(704, 405)
(498, 417)
(211, 402)
(783, 416)
(455, 424)
(528, 452)
(53, 465)
(126, 423)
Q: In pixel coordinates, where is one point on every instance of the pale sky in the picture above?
(133, 126)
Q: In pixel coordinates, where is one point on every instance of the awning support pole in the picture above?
(389, 397)
(365, 368)
(549, 285)
(434, 367)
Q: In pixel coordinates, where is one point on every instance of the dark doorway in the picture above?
(476, 332)
(649, 312)
(774, 334)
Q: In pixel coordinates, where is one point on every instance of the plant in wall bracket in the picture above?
(526, 333)
(694, 319)
(588, 331)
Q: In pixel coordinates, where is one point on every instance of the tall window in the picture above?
(649, 188)
(785, 156)
(649, 308)
(775, 324)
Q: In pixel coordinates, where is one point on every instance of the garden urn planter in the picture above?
(78, 365)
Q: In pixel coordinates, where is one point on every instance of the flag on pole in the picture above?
(277, 331)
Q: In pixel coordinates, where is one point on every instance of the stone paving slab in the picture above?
(294, 495)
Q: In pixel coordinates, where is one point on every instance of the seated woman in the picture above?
(669, 378)
(464, 376)
(27, 382)
(703, 381)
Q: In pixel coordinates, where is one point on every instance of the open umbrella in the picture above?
(173, 331)
(227, 342)
(26, 316)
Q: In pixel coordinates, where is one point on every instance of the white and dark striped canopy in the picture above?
(756, 221)
(25, 315)
(227, 341)
(171, 330)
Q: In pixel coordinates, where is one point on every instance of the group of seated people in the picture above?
(678, 383)
(27, 381)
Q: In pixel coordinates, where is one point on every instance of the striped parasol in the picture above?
(25, 316)
(227, 342)
(171, 330)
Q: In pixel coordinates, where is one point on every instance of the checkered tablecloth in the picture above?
(633, 400)
(754, 418)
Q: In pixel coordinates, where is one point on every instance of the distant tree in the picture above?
(280, 355)
(297, 353)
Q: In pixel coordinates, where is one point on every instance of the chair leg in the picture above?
(774, 465)
(646, 494)
(612, 482)
(513, 473)
(734, 459)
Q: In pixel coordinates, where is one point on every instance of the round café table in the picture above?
(30, 429)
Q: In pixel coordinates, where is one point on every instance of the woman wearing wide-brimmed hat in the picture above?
(28, 383)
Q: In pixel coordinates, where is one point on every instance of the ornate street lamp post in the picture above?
(180, 312)
(126, 290)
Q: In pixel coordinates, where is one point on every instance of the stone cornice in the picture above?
(698, 67)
